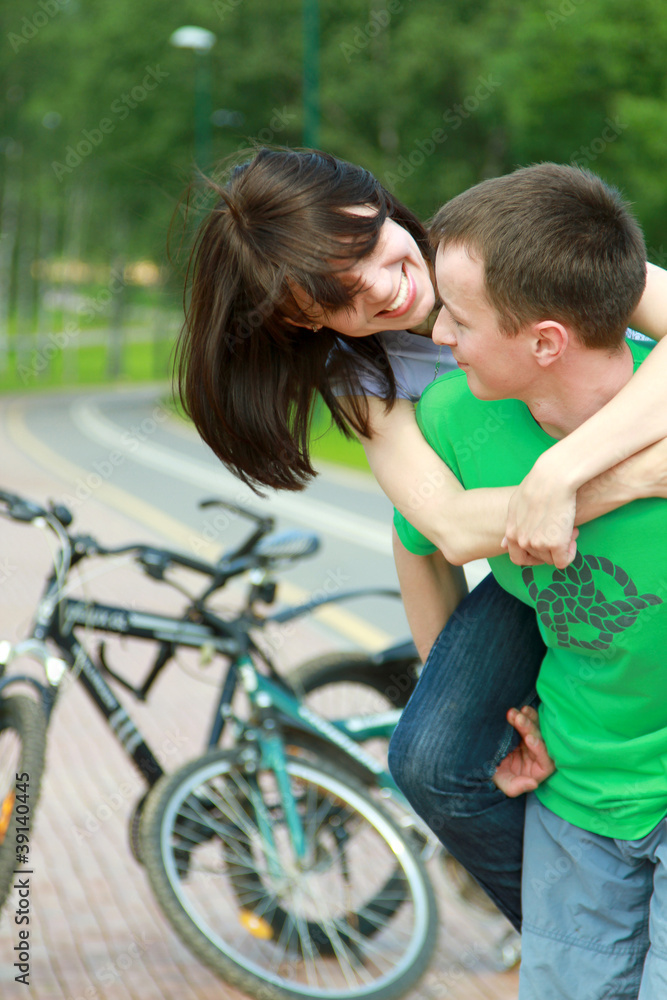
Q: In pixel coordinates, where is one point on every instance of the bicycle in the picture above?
(281, 826)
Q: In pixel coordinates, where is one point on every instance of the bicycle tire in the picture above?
(22, 751)
(344, 685)
(395, 683)
(318, 676)
(290, 961)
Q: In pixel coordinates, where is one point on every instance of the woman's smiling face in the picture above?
(395, 287)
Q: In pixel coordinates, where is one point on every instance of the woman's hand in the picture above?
(540, 519)
(529, 764)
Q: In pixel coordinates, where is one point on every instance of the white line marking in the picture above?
(322, 517)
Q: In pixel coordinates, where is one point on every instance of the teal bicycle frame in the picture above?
(276, 705)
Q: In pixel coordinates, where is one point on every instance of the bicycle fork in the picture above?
(270, 755)
(54, 669)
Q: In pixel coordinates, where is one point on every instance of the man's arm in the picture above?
(431, 591)
(526, 767)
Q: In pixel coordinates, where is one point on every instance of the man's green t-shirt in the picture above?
(603, 681)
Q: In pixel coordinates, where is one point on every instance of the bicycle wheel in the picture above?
(331, 926)
(341, 685)
(22, 753)
(344, 685)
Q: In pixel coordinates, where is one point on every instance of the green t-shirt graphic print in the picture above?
(603, 682)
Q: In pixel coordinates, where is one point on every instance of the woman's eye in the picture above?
(359, 287)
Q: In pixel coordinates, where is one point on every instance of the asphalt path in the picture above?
(126, 448)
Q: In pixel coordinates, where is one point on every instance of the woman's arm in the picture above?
(470, 524)
(463, 524)
(541, 511)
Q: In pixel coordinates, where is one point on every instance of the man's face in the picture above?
(497, 367)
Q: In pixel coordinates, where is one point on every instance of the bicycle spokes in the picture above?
(349, 918)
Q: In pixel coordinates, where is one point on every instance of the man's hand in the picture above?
(529, 764)
(540, 521)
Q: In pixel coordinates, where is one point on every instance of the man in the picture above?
(538, 273)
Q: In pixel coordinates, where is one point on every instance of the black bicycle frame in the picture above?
(57, 621)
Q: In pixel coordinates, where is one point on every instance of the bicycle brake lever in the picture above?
(154, 562)
(61, 513)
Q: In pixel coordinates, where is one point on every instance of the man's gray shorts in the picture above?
(594, 912)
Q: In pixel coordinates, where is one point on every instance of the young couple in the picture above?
(306, 277)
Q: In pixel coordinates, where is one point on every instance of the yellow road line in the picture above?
(344, 622)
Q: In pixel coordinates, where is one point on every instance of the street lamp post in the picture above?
(201, 42)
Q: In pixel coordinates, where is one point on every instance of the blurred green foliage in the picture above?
(97, 136)
(506, 82)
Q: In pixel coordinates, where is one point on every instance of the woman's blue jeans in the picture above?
(453, 733)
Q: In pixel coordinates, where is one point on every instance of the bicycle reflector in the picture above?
(257, 926)
(6, 814)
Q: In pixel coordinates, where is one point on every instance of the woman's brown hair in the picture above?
(246, 375)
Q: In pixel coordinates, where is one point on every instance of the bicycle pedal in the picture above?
(508, 950)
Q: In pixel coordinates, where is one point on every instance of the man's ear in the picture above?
(549, 340)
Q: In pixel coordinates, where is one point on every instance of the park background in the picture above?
(104, 120)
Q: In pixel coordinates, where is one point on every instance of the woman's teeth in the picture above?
(402, 294)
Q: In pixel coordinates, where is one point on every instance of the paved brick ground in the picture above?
(95, 930)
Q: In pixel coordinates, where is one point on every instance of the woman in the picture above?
(308, 277)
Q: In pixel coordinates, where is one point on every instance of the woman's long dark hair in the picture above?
(246, 376)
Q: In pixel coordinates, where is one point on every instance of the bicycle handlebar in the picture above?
(21, 509)
(259, 550)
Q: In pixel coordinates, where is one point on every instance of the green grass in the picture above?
(141, 362)
(327, 443)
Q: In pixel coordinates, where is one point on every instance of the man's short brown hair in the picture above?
(556, 243)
